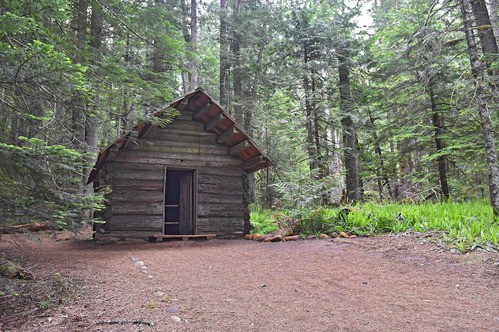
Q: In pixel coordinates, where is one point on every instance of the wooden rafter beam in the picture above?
(202, 110)
(182, 104)
(239, 147)
(146, 130)
(131, 139)
(214, 121)
(250, 163)
(223, 137)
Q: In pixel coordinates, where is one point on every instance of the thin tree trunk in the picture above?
(310, 110)
(439, 126)
(477, 69)
(224, 56)
(92, 121)
(381, 173)
(78, 105)
(237, 88)
(193, 70)
(349, 134)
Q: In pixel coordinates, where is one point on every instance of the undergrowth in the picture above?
(463, 225)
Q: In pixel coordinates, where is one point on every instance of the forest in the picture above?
(368, 101)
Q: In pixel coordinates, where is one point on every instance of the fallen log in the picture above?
(34, 227)
(11, 270)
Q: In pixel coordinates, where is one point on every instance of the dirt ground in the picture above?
(385, 283)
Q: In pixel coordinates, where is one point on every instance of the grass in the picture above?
(463, 225)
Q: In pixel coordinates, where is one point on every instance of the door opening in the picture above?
(179, 209)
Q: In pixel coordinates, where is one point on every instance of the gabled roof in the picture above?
(215, 119)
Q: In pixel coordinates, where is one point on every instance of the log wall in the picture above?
(136, 177)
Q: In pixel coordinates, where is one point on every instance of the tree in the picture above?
(477, 69)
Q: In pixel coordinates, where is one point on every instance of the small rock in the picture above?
(172, 309)
(277, 238)
(343, 234)
(263, 286)
(311, 237)
(292, 238)
(176, 319)
(334, 235)
(323, 236)
(353, 236)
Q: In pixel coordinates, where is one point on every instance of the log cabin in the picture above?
(186, 178)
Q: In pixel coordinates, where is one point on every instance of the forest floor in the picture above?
(388, 283)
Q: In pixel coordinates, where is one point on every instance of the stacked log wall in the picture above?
(136, 178)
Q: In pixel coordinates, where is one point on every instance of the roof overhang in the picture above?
(212, 116)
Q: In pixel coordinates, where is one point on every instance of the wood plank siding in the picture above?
(203, 147)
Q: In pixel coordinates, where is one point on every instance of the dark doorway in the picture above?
(179, 202)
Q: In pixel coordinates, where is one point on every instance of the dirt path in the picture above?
(363, 284)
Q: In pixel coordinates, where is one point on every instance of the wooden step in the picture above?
(183, 237)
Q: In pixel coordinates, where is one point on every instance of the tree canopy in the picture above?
(383, 100)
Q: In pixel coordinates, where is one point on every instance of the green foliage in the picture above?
(315, 221)
(37, 184)
(262, 221)
(464, 226)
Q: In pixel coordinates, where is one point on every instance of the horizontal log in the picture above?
(134, 222)
(136, 196)
(137, 174)
(169, 132)
(134, 208)
(120, 166)
(179, 147)
(220, 172)
(220, 226)
(178, 159)
(220, 198)
(132, 184)
(224, 187)
(185, 124)
(177, 142)
(220, 210)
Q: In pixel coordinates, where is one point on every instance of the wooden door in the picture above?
(179, 210)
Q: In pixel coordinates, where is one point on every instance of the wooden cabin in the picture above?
(185, 178)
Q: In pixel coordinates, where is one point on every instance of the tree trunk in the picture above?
(193, 70)
(224, 56)
(310, 112)
(477, 69)
(381, 173)
(237, 88)
(92, 121)
(78, 104)
(349, 134)
(482, 21)
(439, 126)
(494, 18)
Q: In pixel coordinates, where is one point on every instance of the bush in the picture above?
(464, 225)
